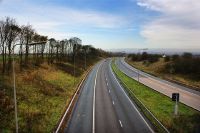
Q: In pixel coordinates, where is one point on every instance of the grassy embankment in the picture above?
(42, 94)
(161, 106)
(158, 69)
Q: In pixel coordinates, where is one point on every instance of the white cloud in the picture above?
(177, 27)
(57, 20)
(170, 36)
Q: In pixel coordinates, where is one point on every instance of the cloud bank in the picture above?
(177, 27)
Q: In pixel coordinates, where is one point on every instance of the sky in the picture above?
(112, 24)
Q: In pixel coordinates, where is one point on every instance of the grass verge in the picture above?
(160, 106)
(186, 80)
(42, 95)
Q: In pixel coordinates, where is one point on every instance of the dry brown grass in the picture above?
(42, 94)
(161, 106)
(158, 69)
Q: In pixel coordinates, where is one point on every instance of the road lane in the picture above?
(81, 117)
(106, 120)
(114, 112)
(126, 110)
(187, 96)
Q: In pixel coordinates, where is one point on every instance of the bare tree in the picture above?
(14, 31)
(8, 34)
(4, 31)
(29, 32)
(43, 39)
(22, 42)
(37, 45)
(75, 44)
(52, 44)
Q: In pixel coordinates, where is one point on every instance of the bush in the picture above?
(175, 57)
(144, 57)
(187, 55)
(134, 57)
(153, 58)
(185, 64)
(167, 59)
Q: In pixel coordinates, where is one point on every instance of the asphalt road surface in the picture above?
(104, 107)
(187, 96)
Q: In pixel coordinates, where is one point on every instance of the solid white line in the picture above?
(131, 101)
(120, 123)
(156, 80)
(72, 100)
(93, 113)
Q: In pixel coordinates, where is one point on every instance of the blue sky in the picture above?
(112, 24)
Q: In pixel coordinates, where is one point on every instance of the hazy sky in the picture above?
(110, 24)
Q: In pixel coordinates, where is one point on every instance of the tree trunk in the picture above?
(26, 55)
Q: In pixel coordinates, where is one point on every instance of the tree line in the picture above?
(184, 64)
(151, 58)
(29, 47)
(180, 64)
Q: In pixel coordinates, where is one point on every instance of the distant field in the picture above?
(187, 80)
(161, 106)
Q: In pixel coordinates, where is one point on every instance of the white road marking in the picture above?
(156, 80)
(107, 83)
(70, 104)
(113, 103)
(120, 123)
(109, 90)
(131, 101)
(93, 113)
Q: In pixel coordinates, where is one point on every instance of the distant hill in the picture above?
(157, 51)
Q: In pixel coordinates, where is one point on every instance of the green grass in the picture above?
(161, 106)
(42, 95)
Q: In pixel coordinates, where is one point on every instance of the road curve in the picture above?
(104, 107)
(187, 96)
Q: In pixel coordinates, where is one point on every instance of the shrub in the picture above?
(175, 57)
(144, 57)
(167, 59)
(185, 64)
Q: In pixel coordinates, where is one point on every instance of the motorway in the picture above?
(104, 107)
(187, 96)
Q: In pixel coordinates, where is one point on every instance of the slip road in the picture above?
(187, 96)
(104, 107)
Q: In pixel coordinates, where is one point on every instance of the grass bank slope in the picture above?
(161, 106)
(187, 80)
(42, 95)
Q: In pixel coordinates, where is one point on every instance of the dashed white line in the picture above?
(120, 123)
(130, 100)
(109, 90)
(113, 103)
(107, 84)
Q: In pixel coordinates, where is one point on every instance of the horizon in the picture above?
(108, 24)
(168, 51)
